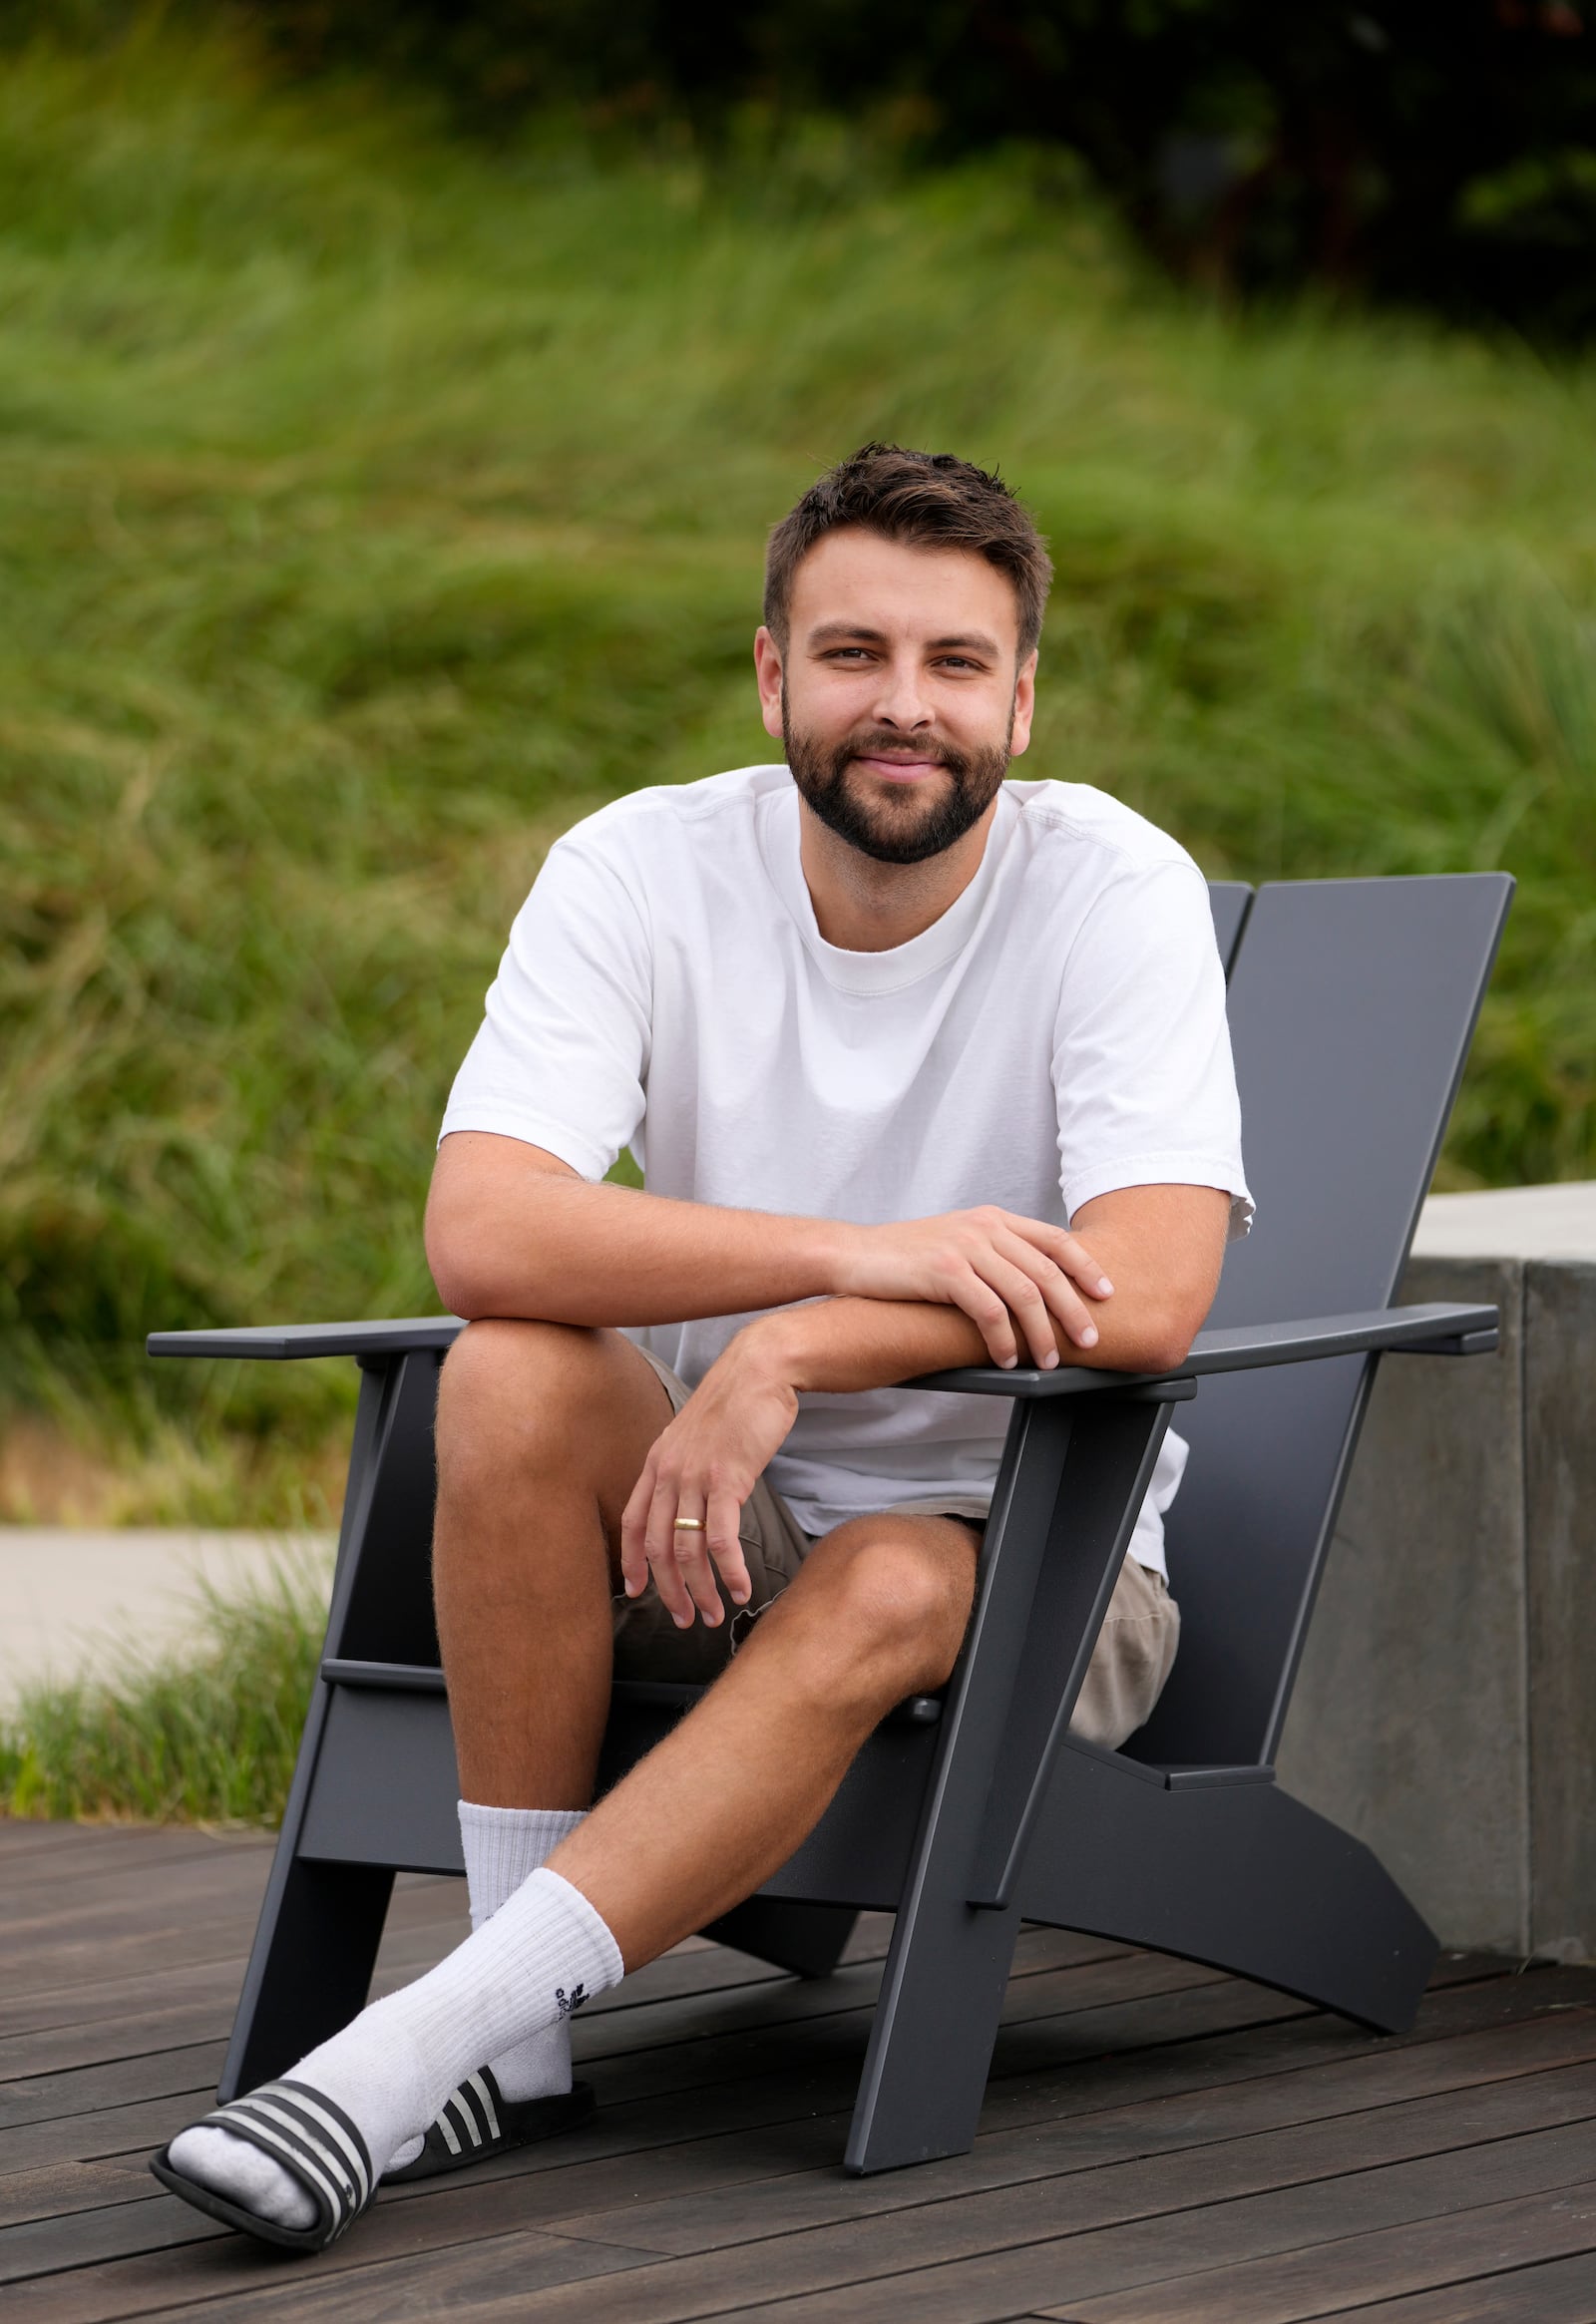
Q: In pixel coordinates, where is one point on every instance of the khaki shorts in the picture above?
(1132, 1659)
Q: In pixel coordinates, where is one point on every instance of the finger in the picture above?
(662, 1539)
(1062, 1300)
(1066, 1249)
(634, 1534)
(690, 1561)
(693, 1562)
(986, 1312)
(725, 1545)
(1021, 1296)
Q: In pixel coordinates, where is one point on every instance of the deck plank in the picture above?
(1152, 2271)
(875, 2271)
(1425, 2252)
(1160, 2142)
(1550, 2291)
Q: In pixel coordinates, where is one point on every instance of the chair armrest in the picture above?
(282, 1342)
(1435, 1330)
(1438, 1329)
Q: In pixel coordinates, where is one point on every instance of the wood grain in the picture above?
(1160, 2143)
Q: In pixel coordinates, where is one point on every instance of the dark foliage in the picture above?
(1435, 151)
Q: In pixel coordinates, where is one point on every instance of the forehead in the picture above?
(862, 581)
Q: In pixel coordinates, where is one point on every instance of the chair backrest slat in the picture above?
(1228, 900)
(1353, 1004)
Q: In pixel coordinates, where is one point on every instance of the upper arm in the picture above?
(474, 1163)
(1144, 1086)
(560, 1061)
(476, 1177)
(1162, 1247)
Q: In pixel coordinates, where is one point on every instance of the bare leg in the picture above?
(543, 1429)
(877, 1613)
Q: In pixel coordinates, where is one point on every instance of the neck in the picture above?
(862, 905)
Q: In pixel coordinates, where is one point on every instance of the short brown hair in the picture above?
(927, 499)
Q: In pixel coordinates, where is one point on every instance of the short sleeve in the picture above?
(1142, 1073)
(562, 1057)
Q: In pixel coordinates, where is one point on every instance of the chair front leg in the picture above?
(1072, 1479)
(322, 1920)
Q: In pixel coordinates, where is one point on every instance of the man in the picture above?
(926, 1068)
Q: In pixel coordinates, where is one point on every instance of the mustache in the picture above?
(875, 744)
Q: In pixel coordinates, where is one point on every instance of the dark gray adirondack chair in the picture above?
(1352, 1004)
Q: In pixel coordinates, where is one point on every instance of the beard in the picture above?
(896, 827)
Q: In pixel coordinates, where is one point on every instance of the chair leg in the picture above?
(320, 1925)
(1240, 1875)
(310, 1971)
(808, 1939)
(1065, 1503)
(936, 2022)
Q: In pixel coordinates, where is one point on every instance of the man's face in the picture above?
(898, 698)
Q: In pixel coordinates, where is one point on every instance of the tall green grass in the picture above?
(206, 1734)
(371, 506)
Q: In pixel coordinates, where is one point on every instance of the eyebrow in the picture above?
(836, 633)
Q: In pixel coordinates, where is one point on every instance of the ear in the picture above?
(768, 669)
(1025, 704)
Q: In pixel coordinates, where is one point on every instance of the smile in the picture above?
(901, 770)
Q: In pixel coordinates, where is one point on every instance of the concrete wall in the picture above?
(1446, 1706)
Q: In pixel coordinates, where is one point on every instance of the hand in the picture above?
(1002, 1269)
(706, 1464)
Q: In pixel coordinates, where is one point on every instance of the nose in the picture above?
(900, 702)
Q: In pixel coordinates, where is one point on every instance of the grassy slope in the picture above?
(370, 507)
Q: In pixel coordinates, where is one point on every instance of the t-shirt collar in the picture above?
(903, 965)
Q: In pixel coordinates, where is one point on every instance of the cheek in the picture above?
(977, 721)
(831, 704)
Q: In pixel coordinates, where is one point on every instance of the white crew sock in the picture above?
(503, 1847)
(541, 1955)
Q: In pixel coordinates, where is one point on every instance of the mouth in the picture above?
(900, 770)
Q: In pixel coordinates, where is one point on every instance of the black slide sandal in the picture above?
(312, 2138)
(477, 2121)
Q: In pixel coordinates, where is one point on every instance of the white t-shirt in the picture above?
(1060, 1032)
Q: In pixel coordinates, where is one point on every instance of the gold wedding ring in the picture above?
(688, 1525)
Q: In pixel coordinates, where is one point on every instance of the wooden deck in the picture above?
(1160, 2145)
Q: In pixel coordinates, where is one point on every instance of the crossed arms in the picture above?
(514, 1232)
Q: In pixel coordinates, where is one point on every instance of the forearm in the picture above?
(841, 1346)
(513, 1231)
(518, 1235)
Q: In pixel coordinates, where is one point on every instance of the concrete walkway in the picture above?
(74, 1602)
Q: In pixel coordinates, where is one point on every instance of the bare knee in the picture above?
(899, 1600)
(519, 1399)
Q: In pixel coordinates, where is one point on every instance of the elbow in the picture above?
(456, 1263)
(1166, 1341)
(455, 1287)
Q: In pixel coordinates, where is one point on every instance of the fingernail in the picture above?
(1050, 1360)
(682, 1620)
(1088, 1337)
(1008, 1362)
(1104, 1286)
